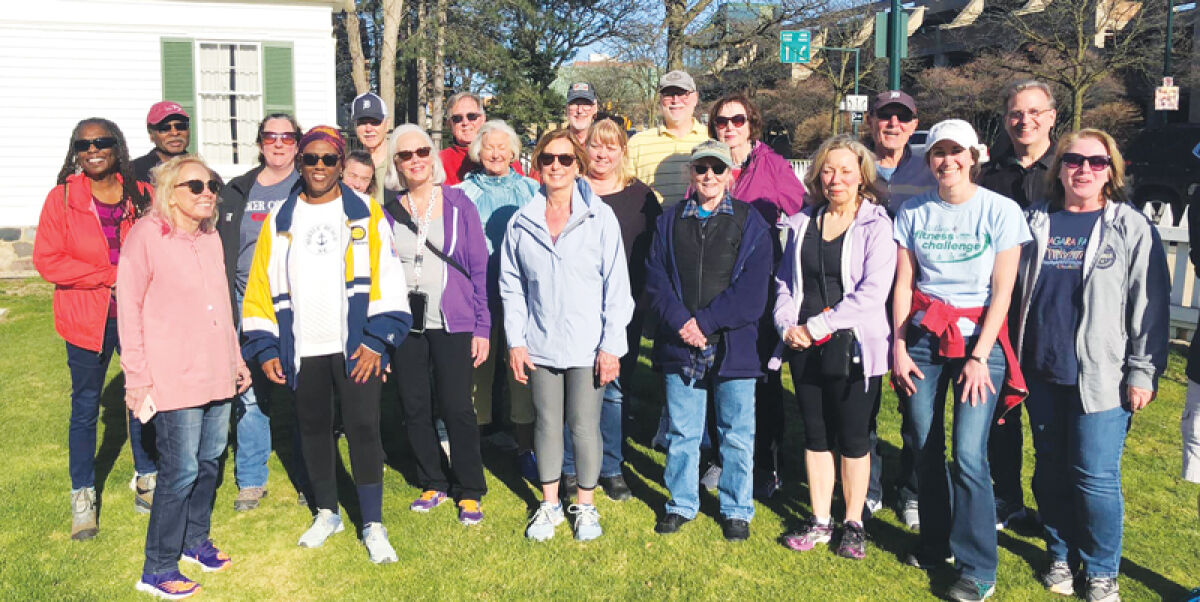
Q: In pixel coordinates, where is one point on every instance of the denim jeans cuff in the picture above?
(681, 512)
(1102, 575)
(609, 476)
(990, 580)
(746, 517)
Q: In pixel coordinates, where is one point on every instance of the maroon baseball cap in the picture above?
(162, 110)
(893, 97)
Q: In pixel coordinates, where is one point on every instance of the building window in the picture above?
(230, 98)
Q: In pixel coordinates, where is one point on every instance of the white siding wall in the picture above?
(65, 60)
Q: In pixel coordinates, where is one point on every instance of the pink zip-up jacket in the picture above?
(174, 316)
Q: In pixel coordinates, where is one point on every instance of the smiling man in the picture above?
(581, 109)
(892, 121)
(660, 156)
(466, 117)
(169, 128)
(370, 118)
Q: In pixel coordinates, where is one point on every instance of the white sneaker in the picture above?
(541, 526)
(326, 523)
(911, 516)
(587, 522)
(378, 548)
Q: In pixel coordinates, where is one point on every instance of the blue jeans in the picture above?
(611, 412)
(960, 514)
(687, 402)
(88, 369)
(1077, 476)
(190, 441)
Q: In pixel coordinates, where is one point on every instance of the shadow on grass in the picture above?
(114, 422)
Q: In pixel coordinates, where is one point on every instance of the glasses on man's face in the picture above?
(405, 155)
(197, 186)
(288, 138)
(101, 143)
(1095, 162)
(311, 159)
(457, 119)
(674, 93)
(178, 126)
(548, 159)
(703, 168)
(371, 121)
(901, 116)
(737, 121)
(1031, 113)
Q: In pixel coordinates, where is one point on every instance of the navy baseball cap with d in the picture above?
(367, 106)
(581, 91)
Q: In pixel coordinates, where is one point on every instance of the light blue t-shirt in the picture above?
(955, 245)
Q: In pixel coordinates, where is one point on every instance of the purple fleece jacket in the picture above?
(769, 184)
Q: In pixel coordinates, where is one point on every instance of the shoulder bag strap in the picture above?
(394, 207)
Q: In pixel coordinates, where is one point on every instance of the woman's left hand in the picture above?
(243, 378)
(479, 350)
(367, 366)
(1139, 398)
(608, 366)
(976, 381)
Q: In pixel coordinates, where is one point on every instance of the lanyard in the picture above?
(422, 233)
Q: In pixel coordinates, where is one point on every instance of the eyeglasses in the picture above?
(456, 119)
(288, 138)
(1096, 162)
(178, 126)
(368, 121)
(674, 93)
(737, 121)
(901, 116)
(311, 159)
(1031, 113)
(405, 155)
(703, 168)
(197, 186)
(547, 159)
(100, 143)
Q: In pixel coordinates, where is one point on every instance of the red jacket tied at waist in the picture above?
(941, 319)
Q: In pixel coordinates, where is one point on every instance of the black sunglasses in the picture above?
(1097, 162)
(468, 117)
(703, 168)
(901, 116)
(547, 159)
(178, 126)
(197, 186)
(405, 155)
(288, 138)
(368, 121)
(736, 120)
(101, 143)
(329, 159)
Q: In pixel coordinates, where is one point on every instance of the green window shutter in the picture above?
(279, 93)
(179, 77)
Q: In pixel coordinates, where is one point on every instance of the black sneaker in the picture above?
(616, 488)
(967, 589)
(670, 523)
(926, 561)
(735, 529)
(567, 486)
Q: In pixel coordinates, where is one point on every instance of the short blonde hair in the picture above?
(606, 131)
(495, 125)
(166, 181)
(871, 188)
(394, 179)
(1114, 189)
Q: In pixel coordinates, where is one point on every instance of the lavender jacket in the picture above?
(868, 270)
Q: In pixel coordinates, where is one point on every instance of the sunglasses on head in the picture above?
(736, 120)
(177, 125)
(703, 168)
(101, 143)
(311, 159)
(547, 159)
(901, 116)
(197, 186)
(405, 155)
(1096, 162)
(288, 138)
(468, 117)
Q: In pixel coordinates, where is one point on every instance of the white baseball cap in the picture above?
(959, 132)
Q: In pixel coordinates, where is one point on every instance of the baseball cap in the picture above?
(677, 79)
(581, 91)
(714, 149)
(959, 132)
(368, 105)
(893, 97)
(160, 111)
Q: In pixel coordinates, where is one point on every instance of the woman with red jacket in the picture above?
(83, 223)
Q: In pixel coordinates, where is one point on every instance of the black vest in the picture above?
(705, 253)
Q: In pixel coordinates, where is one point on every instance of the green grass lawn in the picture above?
(441, 559)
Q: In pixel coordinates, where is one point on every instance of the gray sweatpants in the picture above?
(575, 389)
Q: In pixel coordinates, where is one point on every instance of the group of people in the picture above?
(1025, 277)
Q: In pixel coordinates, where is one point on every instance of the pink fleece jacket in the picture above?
(174, 316)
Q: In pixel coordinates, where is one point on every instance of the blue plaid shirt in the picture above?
(703, 359)
(692, 209)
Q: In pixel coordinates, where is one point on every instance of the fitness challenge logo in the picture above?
(948, 246)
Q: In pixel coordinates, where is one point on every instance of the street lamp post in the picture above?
(895, 46)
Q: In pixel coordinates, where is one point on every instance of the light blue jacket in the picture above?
(565, 300)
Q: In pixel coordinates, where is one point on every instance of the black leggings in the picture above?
(319, 377)
(835, 410)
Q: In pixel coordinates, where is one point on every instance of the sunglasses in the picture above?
(197, 186)
(736, 120)
(405, 155)
(547, 159)
(901, 116)
(101, 143)
(369, 121)
(469, 117)
(703, 168)
(288, 138)
(178, 126)
(311, 159)
(1097, 162)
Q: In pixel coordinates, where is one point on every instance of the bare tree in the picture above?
(384, 42)
(844, 29)
(437, 117)
(358, 60)
(681, 18)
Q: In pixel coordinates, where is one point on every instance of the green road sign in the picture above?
(794, 46)
(881, 35)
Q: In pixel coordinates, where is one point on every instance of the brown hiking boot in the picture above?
(83, 508)
(248, 498)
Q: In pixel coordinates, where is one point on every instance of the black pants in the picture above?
(839, 413)
(446, 357)
(319, 377)
(768, 414)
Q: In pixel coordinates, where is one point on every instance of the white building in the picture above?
(227, 63)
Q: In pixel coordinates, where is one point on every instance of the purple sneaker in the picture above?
(429, 500)
(854, 541)
(469, 512)
(208, 557)
(808, 536)
(170, 586)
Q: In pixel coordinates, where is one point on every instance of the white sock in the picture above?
(823, 521)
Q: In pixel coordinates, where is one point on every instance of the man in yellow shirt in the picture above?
(660, 156)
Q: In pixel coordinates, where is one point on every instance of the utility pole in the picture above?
(895, 45)
(1167, 51)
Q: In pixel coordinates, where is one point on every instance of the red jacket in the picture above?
(71, 252)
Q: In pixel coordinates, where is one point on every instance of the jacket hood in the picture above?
(868, 213)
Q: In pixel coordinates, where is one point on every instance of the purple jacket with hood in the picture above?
(868, 270)
(769, 184)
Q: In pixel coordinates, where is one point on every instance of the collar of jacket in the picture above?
(353, 205)
(532, 216)
(79, 192)
(243, 183)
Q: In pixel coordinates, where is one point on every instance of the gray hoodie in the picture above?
(1123, 327)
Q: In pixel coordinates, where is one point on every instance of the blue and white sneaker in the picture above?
(208, 557)
(379, 550)
(168, 586)
(545, 519)
(326, 523)
(587, 522)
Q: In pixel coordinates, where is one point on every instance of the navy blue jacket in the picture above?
(734, 313)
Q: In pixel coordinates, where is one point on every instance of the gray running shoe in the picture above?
(378, 548)
(83, 509)
(587, 522)
(1102, 589)
(1058, 579)
(143, 491)
(326, 523)
(911, 516)
(545, 519)
(248, 498)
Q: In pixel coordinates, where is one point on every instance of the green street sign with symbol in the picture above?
(794, 46)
